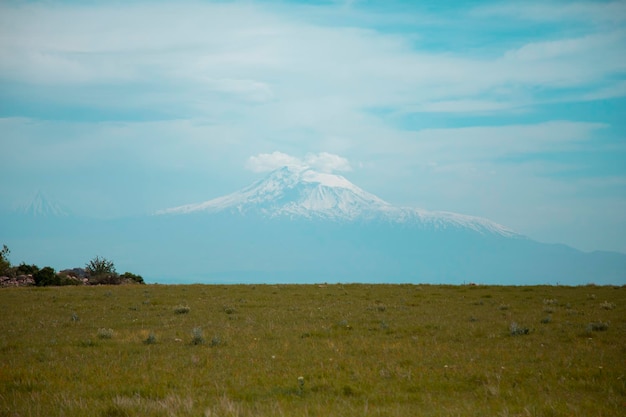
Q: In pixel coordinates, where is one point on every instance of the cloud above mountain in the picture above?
(507, 110)
(322, 161)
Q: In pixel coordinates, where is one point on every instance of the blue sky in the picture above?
(513, 111)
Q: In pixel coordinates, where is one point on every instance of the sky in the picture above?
(512, 111)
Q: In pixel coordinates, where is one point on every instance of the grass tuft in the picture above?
(546, 320)
(104, 333)
(216, 341)
(197, 336)
(517, 330)
(597, 327)
(181, 309)
(151, 339)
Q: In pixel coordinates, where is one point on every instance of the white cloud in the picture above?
(217, 55)
(323, 161)
(327, 162)
(248, 89)
(229, 79)
(265, 162)
(463, 106)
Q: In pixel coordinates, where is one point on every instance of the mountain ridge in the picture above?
(41, 206)
(301, 226)
(305, 193)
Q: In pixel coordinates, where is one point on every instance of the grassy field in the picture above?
(309, 350)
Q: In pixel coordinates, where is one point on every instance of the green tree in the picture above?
(46, 276)
(101, 271)
(4, 259)
(27, 269)
(100, 266)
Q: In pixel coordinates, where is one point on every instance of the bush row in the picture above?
(98, 271)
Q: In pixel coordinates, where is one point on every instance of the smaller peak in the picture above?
(43, 206)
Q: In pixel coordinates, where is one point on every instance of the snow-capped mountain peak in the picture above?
(297, 192)
(294, 191)
(42, 206)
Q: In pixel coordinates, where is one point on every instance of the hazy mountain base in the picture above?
(233, 248)
(370, 350)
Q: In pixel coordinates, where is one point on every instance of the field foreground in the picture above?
(313, 350)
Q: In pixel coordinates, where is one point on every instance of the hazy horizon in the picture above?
(513, 112)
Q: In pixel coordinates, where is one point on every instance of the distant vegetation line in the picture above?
(98, 271)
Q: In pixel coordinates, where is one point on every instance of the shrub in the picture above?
(597, 327)
(87, 343)
(4, 260)
(344, 325)
(27, 269)
(100, 266)
(129, 276)
(181, 309)
(197, 336)
(517, 330)
(105, 279)
(46, 276)
(607, 306)
(151, 339)
(105, 333)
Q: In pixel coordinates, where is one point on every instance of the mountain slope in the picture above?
(42, 206)
(304, 193)
(294, 191)
(302, 226)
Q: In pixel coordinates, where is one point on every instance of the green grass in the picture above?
(362, 350)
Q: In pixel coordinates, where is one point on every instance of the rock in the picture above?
(18, 281)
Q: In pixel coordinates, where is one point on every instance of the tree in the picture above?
(100, 266)
(4, 259)
(101, 271)
(46, 276)
(27, 269)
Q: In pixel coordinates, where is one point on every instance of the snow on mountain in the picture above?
(42, 206)
(297, 192)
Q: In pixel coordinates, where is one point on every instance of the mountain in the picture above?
(300, 225)
(42, 206)
(292, 191)
(296, 192)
